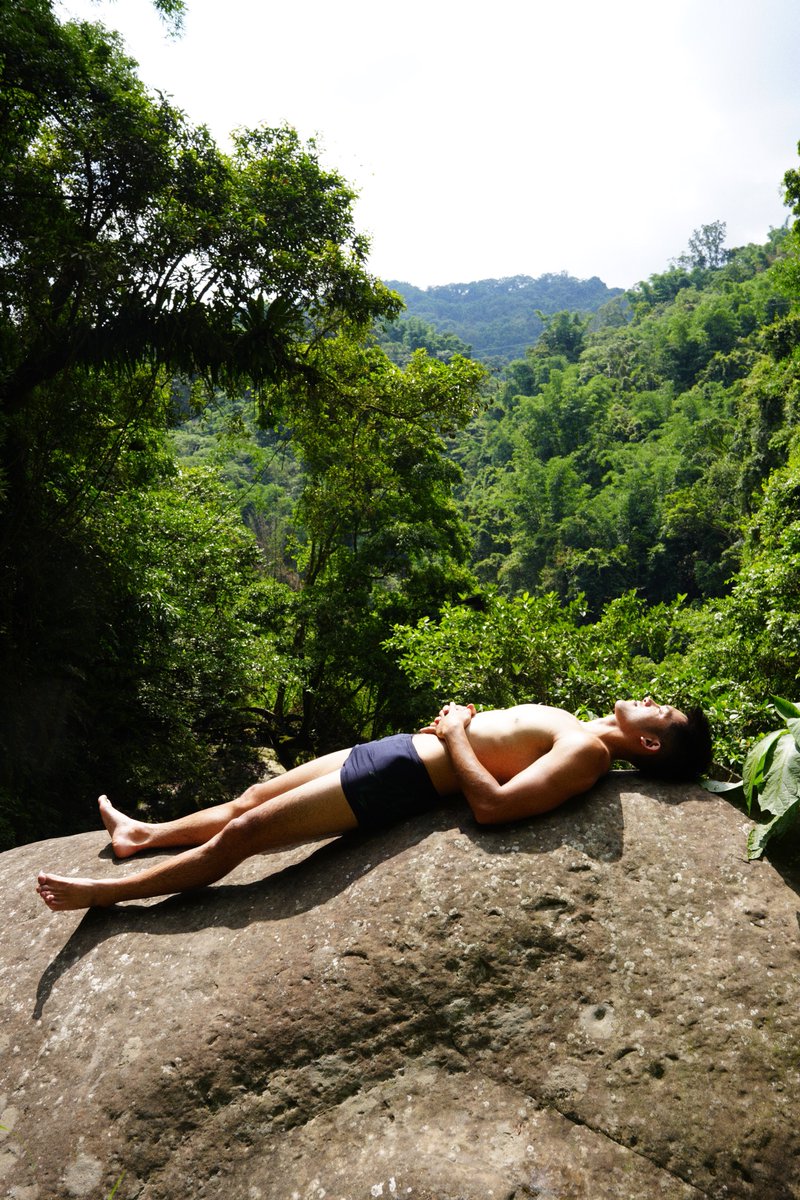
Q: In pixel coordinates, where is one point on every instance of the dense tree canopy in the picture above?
(128, 237)
(626, 455)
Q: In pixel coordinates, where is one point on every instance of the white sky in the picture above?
(512, 137)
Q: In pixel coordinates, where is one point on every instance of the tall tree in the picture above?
(127, 235)
(380, 539)
(706, 247)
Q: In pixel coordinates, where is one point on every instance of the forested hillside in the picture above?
(499, 318)
(244, 506)
(626, 451)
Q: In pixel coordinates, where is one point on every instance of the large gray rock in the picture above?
(599, 1003)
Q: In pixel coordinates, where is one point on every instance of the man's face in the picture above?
(647, 716)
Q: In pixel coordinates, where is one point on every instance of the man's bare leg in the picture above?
(129, 836)
(314, 810)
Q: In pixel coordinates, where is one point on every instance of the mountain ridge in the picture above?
(498, 318)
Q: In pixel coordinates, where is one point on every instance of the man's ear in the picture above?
(650, 744)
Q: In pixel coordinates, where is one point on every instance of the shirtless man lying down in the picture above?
(508, 764)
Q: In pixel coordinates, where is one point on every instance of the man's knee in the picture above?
(250, 798)
(236, 835)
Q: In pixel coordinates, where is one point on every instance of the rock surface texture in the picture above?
(601, 1003)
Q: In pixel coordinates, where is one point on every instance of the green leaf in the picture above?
(733, 789)
(761, 834)
(791, 714)
(757, 764)
(781, 790)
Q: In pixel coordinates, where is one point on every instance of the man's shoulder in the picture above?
(578, 744)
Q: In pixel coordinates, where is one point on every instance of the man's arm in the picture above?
(567, 770)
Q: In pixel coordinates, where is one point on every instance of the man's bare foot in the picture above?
(127, 835)
(61, 894)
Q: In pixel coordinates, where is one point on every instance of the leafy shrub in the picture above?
(771, 778)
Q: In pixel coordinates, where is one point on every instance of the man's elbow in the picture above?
(501, 810)
(488, 812)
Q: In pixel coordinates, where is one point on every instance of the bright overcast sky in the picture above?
(515, 137)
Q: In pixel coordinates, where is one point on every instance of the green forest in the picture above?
(248, 503)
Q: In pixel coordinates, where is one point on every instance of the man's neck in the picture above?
(607, 730)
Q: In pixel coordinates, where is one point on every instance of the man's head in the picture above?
(665, 742)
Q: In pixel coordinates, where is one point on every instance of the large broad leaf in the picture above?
(760, 835)
(791, 714)
(781, 790)
(772, 773)
(794, 730)
(757, 765)
(733, 790)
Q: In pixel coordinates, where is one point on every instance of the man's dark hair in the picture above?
(685, 752)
